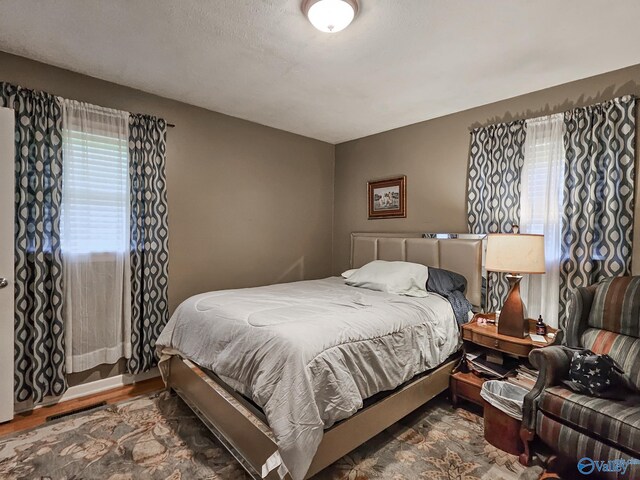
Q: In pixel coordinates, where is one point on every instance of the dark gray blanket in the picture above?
(451, 286)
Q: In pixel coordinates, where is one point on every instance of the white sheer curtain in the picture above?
(95, 235)
(541, 210)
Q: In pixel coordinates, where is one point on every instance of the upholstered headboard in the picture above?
(463, 256)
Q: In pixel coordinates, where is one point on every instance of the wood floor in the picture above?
(27, 420)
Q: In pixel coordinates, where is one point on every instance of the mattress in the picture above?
(309, 353)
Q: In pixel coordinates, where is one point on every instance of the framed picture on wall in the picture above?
(388, 198)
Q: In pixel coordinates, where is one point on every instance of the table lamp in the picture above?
(514, 254)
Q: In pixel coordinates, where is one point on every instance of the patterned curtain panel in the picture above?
(39, 336)
(149, 238)
(597, 229)
(493, 201)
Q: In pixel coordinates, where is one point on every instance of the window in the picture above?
(535, 191)
(95, 206)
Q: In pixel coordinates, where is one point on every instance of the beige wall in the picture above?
(434, 156)
(248, 205)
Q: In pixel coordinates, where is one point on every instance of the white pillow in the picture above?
(348, 273)
(401, 278)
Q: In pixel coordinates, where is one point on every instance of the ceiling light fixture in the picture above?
(330, 16)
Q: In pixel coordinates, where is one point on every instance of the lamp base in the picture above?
(512, 321)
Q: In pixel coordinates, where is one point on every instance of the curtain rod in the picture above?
(633, 96)
(171, 125)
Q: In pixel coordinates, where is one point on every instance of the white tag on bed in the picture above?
(274, 461)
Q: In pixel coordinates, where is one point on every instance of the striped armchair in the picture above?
(604, 318)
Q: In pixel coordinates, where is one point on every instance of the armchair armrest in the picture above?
(553, 366)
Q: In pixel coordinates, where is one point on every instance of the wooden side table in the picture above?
(467, 386)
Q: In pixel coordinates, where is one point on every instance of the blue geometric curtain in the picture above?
(39, 335)
(493, 197)
(597, 231)
(149, 238)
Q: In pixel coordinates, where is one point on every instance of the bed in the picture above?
(328, 365)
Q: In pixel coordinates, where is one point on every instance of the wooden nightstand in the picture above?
(467, 386)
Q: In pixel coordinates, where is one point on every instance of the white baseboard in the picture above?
(91, 388)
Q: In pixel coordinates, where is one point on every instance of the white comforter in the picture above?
(308, 353)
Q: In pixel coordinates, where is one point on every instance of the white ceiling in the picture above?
(400, 62)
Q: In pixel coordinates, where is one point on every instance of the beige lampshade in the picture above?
(515, 253)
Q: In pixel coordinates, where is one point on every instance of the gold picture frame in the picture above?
(388, 198)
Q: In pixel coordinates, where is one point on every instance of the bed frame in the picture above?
(243, 429)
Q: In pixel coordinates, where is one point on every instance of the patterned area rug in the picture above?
(158, 437)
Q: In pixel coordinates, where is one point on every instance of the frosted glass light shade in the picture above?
(331, 16)
(515, 253)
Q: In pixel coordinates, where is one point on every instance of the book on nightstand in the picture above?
(477, 361)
